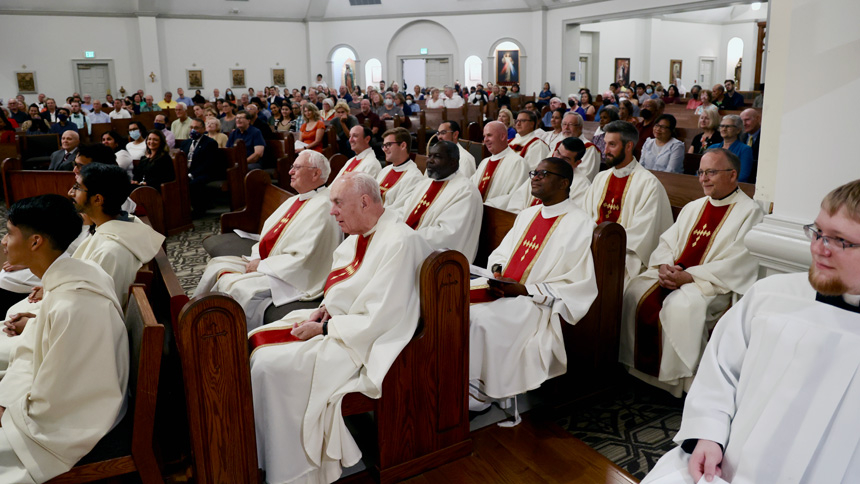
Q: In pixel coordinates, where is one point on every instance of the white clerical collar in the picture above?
(500, 154)
(523, 139)
(449, 177)
(627, 170)
(386, 217)
(852, 299)
(556, 210)
(728, 200)
(364, 154)
(311, 193)
(403, 166)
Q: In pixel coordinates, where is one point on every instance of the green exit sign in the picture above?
(89, 54)
(424, 51)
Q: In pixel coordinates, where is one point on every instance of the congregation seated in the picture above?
(709, 123)
(313, 129)
(136, 145)
(499, 174)
(78, 117)
(694, 94)
(116, 143)
(35, 124)
(7, 131)
(731, 128)
(214, 132)
(732, 98)
(64, 158)
(97, 116)
(698, 266)
(119, 111)
(599, 138)
(450, 131)
(664, 152)
(571, 150)
(160, 124)
(506, 117)
(156, 166)
(17, 111)
(182, 124)
(255, 145)
(366, 117)
(203, 164)
(304, 364)
(554, 136)
(342, 123)
(63, 123)
(649, 111)
(752, 130)
(364, 160)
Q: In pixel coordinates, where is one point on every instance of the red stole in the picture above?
(535, 201)
(271, 336)
(487, 178)
(352, 165)
(522, 150)
(339, 275)
(268, 241)
(648, 349)
(519, 266)
(589, 144)
(429, 197)
(389, 181)
(613, 199)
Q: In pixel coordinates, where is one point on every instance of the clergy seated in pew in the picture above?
(450, 131)
(369, 313)
(293, 256)
(698, 267)
(445, 208)
(365, 161)
(65, 387)
(499, 175)
(528, 143)
(542, 273)
(631, 196)
(571, 150)
(398, 179)
(775, 397)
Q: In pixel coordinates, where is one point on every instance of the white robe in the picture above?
(23, 281)
(691, 311)
(66, 384)
(397, 195)
(453, 220)
(778, 387)
(298, 387)
(467, 162)
(536, 152)
(296, 267)
(522, 198)
(590, 160)
(516, 343)
(511, 171)
(552, 140)
(369, 164)
(645, 212)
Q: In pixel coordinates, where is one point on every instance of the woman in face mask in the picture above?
(228, 96)
(136, 146)
(63, 123)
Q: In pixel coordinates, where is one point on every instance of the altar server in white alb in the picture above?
(446, 207)
(66, 384)
(397, 180)
(293, 256)
(698, 266)
(364, 160)
(515, 327)
(631, 196)
(777, 393)
(304, 364)
(570, 150)
(503, 171)
(528, 142)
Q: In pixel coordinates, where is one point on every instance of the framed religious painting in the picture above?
(195, 78)
(622, 70)
(279, 77)
(507, 67)
(237, 78)
(675, 66)
(26, 82)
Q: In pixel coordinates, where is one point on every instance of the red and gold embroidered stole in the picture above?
(535, 201)
(613, 199)
(522, 150)
(648, 348)
(589, 144)
(487, 178)
(339, 275)
(522, 260)
(271, 237)
(417, 214)
(271, 337)
(352, 165)
(389, 181)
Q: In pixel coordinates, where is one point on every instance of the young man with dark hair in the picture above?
(397, 180)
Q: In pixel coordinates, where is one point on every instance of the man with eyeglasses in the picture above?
(571, 126)
(503, 171)
(293, 256)
(629, 194)
(402, 174)
(570, 150)
(528, 143)
(450, 131)
(542, 273)
(775, 398)
(698, 267)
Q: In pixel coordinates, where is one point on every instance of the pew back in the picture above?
(683, 189)
(19, 183)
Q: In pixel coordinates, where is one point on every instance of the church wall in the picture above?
(685, 41)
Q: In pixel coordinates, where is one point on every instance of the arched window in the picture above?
(474, 67)
(734, 54)
(372, 72)
(508, 64)
(343, 68)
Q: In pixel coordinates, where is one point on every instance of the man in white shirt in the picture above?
(181, 126)
(450, 131)
(499, 175)
(97, 116)
(118, 111)
(452, 99)
(365, 159)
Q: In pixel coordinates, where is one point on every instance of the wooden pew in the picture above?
(153, 207)
(237, 168)
(37, 148)
(177, 216)
(19, 183)
(683, 189)
(336, 164)
(286, 161)
(474, 132)
(430, 121)
(9, 150)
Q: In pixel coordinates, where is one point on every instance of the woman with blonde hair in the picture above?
(709, 122)
(506, 117)
(213, 130)
(313, 129)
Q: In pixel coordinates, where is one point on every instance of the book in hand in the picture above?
(481, 272)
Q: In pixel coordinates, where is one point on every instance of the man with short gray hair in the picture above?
(571, 126)
(181, 126)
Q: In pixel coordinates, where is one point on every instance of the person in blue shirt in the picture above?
(730, 129)
(255, 145)
(63, 123)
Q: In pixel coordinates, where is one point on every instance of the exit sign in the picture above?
(424, 51)
(89, 54)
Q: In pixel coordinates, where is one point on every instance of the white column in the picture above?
(571, 37)
(150, 60)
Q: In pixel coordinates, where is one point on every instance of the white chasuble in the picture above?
(364, 162)
(449, 219)
(498, 176)
(396, 183)
(522, 198)
(516, 343)
(467, 162)
(640, 205)
(66, 383)
(725, 266)
(778, 387)
(531, 147)
(372, 296)
(590, 160)
(295, 266)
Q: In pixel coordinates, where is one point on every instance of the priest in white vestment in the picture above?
(545, 261)
(65, 387)
(303, 365)
(293, 257)
(570, 150)
(499, 175)
(445, 208)
(777, 392)
(528, 142)
(571, 125)
(365, 159)
(397, 180)
(631, 196)
(698, 266)
(450, 131)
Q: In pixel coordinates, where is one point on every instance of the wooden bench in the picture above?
(36, 149)
(683, 189)
(177, 217)
(237, 168)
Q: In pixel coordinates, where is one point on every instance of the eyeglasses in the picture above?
(443, 132)
(297, 167)
(830, 242)
(728, 126)
(711, 173)
(661, 126)
(385, 146)
(523, 121)
(77, 187)
(540, 174)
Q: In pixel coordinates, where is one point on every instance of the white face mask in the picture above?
(389, 102)
(409, 101)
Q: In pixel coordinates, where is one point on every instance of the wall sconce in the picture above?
(152, 76)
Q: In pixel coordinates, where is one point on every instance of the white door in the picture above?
(438, 73)
(706, 72)
(584, 72)
(93, 79)
(414, 73)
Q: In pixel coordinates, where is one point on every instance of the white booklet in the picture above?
(481, 272)
(683, 477)
(247, 235)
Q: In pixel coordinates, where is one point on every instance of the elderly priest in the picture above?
(303, 365)
(699, 264)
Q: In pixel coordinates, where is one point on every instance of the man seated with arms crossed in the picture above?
(776, 395)
(698, 265)
(499, 175)
(397, 180)
(365, 159)
(630, 195)
(65, 388)
(450, 131)
(445, 208)
(303, 365)
(528, 143)
(571, 126)
(293, 256)
(547, 274)
(255, 145)
(570, 150)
